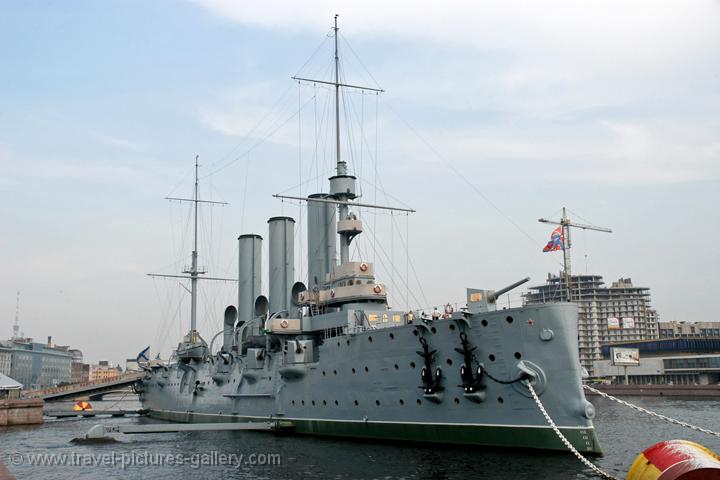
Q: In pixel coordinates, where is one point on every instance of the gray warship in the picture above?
(330, 357)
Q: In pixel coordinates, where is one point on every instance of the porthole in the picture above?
(491, 357)
(302, 402)
(484, 323)
(336, 402)
(370, 339)
(348, 342)
(412, 364)
(518, 355)
(452, 326)
(392, 336)
(377, 402)
(353, 370)
(366, 370)
(402, 402)
(293, 402)
(334, 372)
(500, 400)
(356, 403)
(433, 329)
(323, 373)
(313, 402)
(418, 401)
(456, 400)
(415, 332)
(449, 361)
(324, 403)
(509, 319)
(397, 367)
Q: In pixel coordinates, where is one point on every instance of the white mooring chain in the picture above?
(652, 414)
(564, 440)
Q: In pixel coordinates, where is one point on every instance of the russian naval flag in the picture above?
(557, 241)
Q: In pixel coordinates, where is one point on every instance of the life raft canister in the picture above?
(676, 460)
(332, 293)
(377, 289)
(284, 323)
(363, 267)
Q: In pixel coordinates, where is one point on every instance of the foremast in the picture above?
(346, 281)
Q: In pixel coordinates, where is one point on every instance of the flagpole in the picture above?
(566, 252)
(564, 225)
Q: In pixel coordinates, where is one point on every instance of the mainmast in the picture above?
(194, 268)
(193, 272)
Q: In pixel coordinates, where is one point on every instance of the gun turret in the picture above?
(493, 296)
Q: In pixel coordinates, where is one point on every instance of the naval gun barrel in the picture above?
(492, 296)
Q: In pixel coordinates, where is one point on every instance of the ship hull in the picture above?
(503, 436)
(368, 384)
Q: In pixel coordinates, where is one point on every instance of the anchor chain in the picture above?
(564, 440)
(652, 414)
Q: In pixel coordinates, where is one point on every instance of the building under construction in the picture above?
(618, 313)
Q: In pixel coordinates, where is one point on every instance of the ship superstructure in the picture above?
(329, 356)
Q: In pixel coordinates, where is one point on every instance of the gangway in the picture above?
(85, 389)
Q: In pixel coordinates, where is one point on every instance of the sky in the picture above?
(494, 114)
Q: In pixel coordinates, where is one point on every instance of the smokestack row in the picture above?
(322, 239)
(281, 270)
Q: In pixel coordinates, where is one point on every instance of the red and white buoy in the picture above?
(676, 460)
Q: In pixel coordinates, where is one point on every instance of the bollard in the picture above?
(676, 460)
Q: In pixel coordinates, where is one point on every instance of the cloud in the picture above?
(656, 32)
(614, 92)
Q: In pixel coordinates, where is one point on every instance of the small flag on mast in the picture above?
(557, 241)
(143, 355)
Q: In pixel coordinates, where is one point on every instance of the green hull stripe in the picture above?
(583, 439)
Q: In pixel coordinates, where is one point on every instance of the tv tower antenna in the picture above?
(16, 326)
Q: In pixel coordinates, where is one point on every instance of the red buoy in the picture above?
(676, 460)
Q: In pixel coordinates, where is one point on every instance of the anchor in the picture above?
(431, 384)
(472, 386)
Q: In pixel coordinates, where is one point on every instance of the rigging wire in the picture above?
(466, 180)
(258, 142)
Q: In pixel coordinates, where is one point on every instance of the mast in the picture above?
(341, 165)
(193, 268)
(193, 272)
(342, 185)
(566, 251)
(340, 168)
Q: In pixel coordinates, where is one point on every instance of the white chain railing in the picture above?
(652, 414)
(564, 440)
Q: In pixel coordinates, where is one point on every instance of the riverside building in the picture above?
(618, 313)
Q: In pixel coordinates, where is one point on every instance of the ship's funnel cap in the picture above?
(296, 289)
(230, 316)
(261, 306)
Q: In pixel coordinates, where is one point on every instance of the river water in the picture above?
(623, 434)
